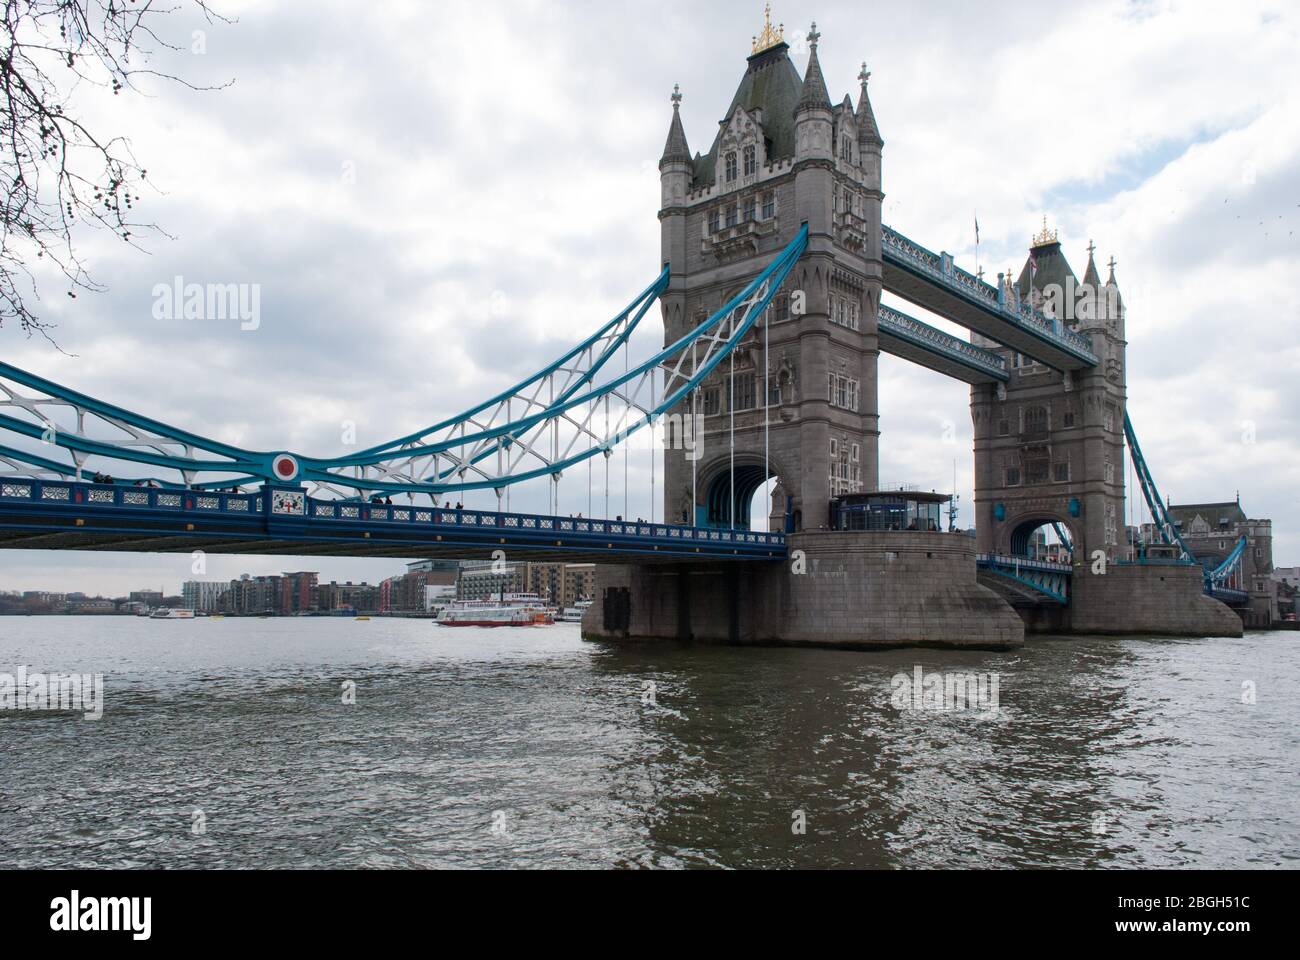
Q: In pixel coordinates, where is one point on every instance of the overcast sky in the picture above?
(436, 199)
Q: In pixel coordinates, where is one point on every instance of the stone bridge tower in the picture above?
(1049, 446)
(783, 155)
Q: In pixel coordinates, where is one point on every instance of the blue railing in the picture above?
(941, 268)
(74, 493)
(946, 345)
(290, 505)
(1052, 580)
(1023, 563)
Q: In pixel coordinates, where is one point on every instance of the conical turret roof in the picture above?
(676, 149)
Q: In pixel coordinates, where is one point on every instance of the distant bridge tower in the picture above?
(1049, 446)
(783, 155)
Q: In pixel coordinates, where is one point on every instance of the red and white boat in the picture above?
(510, 610)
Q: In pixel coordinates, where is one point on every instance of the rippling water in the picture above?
(529, 747)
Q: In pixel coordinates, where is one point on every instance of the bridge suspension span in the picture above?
(571, 411)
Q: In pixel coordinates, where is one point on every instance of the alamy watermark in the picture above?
(56, 692)
(940, 692)
(179, 300)
(1080, 301)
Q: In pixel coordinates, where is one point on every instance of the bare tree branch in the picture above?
(59, 177)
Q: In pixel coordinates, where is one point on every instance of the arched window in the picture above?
(731, 166)
(1035, 423)
(751, 161)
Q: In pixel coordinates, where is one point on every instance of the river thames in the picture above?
(231, 744)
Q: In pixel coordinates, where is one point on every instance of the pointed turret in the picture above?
(814, 95)
(1091, 278)
(868, 131)
(676, 149)
(813, 115)
(1112, 287)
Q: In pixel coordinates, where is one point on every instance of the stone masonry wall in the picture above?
(838, 589)
(1148, 600)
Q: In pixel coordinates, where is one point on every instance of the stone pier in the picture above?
(852, 590)
(1148, 600)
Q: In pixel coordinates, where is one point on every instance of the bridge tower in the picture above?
(1049, 446)
(783, 155)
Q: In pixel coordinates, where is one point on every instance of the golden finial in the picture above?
(1046, 237)
(770, 36)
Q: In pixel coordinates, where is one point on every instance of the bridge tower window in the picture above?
(731, 166)
(1013, 476)
(712, 402)
(1038, 466)
(751, 207)
(751, 162)
(715, 220)
(843, 392)
(1036, 421)
(743, 395)
(769, 205)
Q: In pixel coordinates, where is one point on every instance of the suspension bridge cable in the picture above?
(767, 419)
(696, 439)
(731, 411)
(626, 512)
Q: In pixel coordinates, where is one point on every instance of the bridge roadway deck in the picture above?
(932, 281)
(61, 515)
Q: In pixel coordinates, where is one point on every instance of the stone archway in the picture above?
(1017, 537)
(714, 490)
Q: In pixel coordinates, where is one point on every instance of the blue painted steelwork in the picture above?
(945, 346)
(72, 515)
(1232, 564)
(897, 250)
(153, 443)
(1233, 598)
(1051, 580)
(718, 336)
(611, 332)
(1219, 582)
(558, 395)
(1225, 581)
(1165, 526)
(1064, 537)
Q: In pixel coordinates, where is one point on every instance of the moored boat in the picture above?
(575, 613)
(169, 613)
(510, 610)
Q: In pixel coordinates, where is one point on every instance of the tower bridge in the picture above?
(775, 260)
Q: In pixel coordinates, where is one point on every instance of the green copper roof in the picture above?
(1053, 268)
(771, 84)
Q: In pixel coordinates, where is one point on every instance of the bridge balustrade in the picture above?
(290, 505)
(922, 334)
(1024, 563)
(952, 277)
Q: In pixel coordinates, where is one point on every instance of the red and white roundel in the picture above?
(285, 467)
